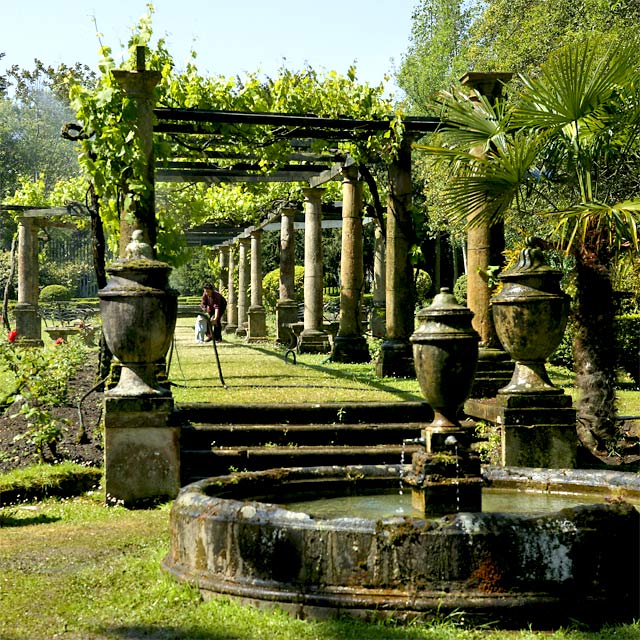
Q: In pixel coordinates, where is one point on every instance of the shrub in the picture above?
(271, 287)
(55, 293)
(460, 289)
(423, 289)
(628, 344)
(563, 355)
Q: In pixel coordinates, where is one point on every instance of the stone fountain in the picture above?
(234, 535)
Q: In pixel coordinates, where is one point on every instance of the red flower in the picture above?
(13, 336)
(59, 341)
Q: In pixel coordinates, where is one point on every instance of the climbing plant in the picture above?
(112, 158)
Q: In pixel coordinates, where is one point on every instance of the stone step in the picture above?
(352, 413)
(209, 436)
(198, 464)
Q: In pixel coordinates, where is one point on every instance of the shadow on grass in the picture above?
(340, 629)
(10, 519)
(362, 378)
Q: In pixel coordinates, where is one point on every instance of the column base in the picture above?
(350, 349)
(314, 342)
(396, 360)
(241, 330)
(141, 450)
(28, 324)
(286, 314)
(257, 325)
(230, 329)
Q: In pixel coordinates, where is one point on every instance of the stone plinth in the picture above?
(286, 314)
(396, 360)
(536, 430)
(257, 324)
(141, 450)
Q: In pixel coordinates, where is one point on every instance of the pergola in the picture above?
(315, 170)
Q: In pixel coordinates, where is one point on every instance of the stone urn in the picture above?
(445, 476)
(530, 315)
(138, 318)
(445, 351)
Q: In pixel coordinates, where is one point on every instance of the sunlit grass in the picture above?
(76, 569)
(259, 373)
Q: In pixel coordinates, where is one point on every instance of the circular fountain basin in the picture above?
(233, 535)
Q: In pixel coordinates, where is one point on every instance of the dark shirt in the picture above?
(211, 302)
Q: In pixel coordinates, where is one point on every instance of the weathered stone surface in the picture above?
(517, 569)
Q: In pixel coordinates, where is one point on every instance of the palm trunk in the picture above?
(594, 354)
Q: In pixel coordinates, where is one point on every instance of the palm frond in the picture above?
(600, 227)
(574, 84)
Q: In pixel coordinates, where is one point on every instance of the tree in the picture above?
(433, 60)
(567, 151)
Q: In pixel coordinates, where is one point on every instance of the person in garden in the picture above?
(213, 304)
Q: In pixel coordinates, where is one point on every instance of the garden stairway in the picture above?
(218, 439)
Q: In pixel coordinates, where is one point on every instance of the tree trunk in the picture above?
(594, 354)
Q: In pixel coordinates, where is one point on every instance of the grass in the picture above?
(75, 569)
(259, 373)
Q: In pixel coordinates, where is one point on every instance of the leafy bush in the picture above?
(424, 285)
(460, 289)
(55, 293)
(628, 344)
(271, 287)
(563, 355)
(78, 277)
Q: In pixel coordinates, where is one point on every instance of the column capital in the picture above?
(487, 83)
(350, 173)
(313, 193)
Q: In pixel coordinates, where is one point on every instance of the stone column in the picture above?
(243, 285)
(349, 344)
(28, 323)
(224, 278)
(313, 338)
(139, 85)
(286, 307)
(232, 306)
(377, 321)
(396, 353)
(485, 244)
(257, 324)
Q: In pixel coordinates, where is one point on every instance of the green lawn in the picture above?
(81, 571)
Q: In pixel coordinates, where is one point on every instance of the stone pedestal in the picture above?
(377, 317)
(494, 371)
(536, 430)
(224, 278)
(286, 315)
(141, 450)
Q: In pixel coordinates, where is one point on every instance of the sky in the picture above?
(230, 36)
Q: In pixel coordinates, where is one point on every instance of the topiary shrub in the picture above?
(460, 289)
(423, 289)
(271, 287)
(55, 293)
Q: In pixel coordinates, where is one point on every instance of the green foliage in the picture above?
(433, 59)
(112, 158)
(424, 286)
(55, 293)
(271, 287)
(460, 289)
(200, 267)
(40, 382)
(628, 344)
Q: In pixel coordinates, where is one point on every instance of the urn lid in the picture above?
(531, 262)
(444, 318)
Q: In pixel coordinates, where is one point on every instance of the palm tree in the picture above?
(566, 150)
